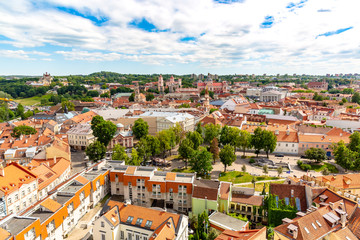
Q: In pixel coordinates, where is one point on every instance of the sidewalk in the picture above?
(264, 181)
(79, 232)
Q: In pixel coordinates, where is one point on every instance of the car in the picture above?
(303, 156)
(279, 155)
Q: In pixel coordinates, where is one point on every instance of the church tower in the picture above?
(207, 99)
(161, 84)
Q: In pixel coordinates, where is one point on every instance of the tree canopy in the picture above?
(140, 129)
(227, 156)
(103, 130)
(23, 130)
(201, 162)
(317, 154)
(96, 151)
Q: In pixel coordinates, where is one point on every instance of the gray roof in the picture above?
(226, 222)
(17, 224)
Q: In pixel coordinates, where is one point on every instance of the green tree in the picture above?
(354, 144)
(269, 141)
(150, 97)
(135, 158)
(140, 129)
(23, 130)
(179, 133)
(19, 110)
(196, 138)
(96, 151)
(344, 156)
(257, 141)
(344, 100)
(316, 154)
(164, 141)
(199, 128)
(201, 162)
(211, 131)
(154, 145)
(244, 140)
(143, 149)
(186, 150)
(214, 149)
(356, 98)
(132, 97)
(105, 95)
(243, 168)
(265, 169)
(119, 153)
(227, 156)
(70, 106)
(279, 170)
(103, 130)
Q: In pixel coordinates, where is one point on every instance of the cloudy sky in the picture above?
(179, 36)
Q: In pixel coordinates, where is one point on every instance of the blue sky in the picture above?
(181, 37)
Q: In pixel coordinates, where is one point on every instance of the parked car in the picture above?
(279, 155)
(303, 156)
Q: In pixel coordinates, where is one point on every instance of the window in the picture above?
(307, 230)
(129, 219)
(122, 234)
(9, 200)
(102, 224)
(148, 224)
(318, 223)
(103, 237)
(34, 186)
(139, 221)
(16, 196)
(298, 204)
(29, 189)
(23, 193)
(287, 201)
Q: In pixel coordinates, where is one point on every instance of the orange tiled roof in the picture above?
(81, 180)
(45, 175)
(4, 234)
(113, 216)
(157, 217)
(51, 205)
(170, 176)
(14, 177)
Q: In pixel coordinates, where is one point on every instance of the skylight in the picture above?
(318, 223)
(307, 230)
(314, 226)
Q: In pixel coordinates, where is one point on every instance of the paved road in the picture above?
(77, 161)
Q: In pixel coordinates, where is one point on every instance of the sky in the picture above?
(179, 36)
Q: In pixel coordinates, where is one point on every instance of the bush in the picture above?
(299, 163)
(252, 160)
(305, 167)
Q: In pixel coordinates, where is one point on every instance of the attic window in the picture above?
(139, 221)
(148, 223)
(22, 180)
(129, 219)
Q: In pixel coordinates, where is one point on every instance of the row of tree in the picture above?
(348, 155)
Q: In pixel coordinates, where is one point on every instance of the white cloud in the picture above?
(228, 35)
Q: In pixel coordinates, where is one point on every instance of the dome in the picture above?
(119, 125)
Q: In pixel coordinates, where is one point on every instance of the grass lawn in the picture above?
(32, 100)
(240, 177)
(172, 157)
(259, 186)
(320, 167)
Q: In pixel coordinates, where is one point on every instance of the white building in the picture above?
(80, 136)
(166, 120)
(125, 221)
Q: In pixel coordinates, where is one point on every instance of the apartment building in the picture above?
(18, 189)
(166, 120)
(147, 187)
(244, 202)
(56, 215)
(125, 221)
(80, 136)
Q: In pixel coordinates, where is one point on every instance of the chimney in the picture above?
(288, 132)
(343, 219)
